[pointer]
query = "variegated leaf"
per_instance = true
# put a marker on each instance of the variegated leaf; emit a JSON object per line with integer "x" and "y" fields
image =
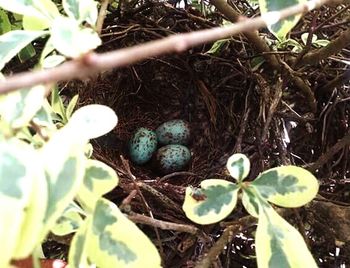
{"x": 279, "y": 244}
{"x": 287, "y": 186}
{"x": 115, "y": 241}
{"x": 99, "y": 179}
{"x": 213, "y": 202}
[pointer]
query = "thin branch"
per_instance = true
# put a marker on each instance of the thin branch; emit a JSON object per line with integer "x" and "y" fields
{"x": 164, "y": 225}
{"x": 101, "y": 16}
{"x": 334, "y": 47}
{"x": 93, "y": 63}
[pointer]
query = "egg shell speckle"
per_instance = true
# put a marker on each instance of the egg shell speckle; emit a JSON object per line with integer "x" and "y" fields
{"x": 142, "y": 145}
{"x": 174, "y": 132}
{"x": 171, "y": 158}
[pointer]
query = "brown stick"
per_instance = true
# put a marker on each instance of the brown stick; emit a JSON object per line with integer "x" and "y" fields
{"x": 94, "y": 63}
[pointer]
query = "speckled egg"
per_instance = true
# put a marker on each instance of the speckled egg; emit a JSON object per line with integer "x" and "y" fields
{"x": 171, "y": 158}
{"x": 173, "y": 132}
{"x": 142, "y": 145}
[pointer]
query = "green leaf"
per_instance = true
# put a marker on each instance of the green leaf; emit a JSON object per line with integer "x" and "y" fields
{"x": 238, "y": 165}
{"x": 249, "y": 202}
{"x": 5, "y": 24}
{"x": 70, "y": 39}
{"x": 81, "y": 10}
{"x": 217, "y": 46}
{"x": 71, "y": 106}
{"x": 44, "y": 116}
{"x": 12, "y": 42}
{"x": 16, "y": 183}
{"x": 27, "y": 53}
{"x": 213, "y": 202}
{"x": 92, "y": 121}
{"x": 305, "y": 36}
{"x": 35, "y": 23}
{"x": 321, "y": 43}
{"x": 64, "y": 162}
{"x": 19, "y": 107}
{"x": 278, "y": 244}
{"x": 115, "y": 241}
{"x": 281, "y": 28}
{"x": 53, "y": 61}
{"x": 57, "y": 104}
{"x": 23, "y": 7}
{"x": 78, "y": 248}
{"x": 68, "y": 222}
{"x": 99, "y": 179}
{"x": 32, "y": 225}
{"x": 287, "y": 186}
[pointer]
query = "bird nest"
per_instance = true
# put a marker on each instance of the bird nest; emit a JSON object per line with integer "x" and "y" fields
{"x": 226, "y": 104}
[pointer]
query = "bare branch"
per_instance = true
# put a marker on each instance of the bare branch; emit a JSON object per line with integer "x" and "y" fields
{"x": 94, "y": 63}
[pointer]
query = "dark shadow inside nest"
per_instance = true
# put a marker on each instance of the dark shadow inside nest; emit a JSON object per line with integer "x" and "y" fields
{"x": 159, "y": 90}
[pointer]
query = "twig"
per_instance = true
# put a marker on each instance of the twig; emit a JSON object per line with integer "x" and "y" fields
{"x": 219, "y": 246}
{"x": 164, "y": 225}
{"x": 334, "y": 47}
{"x": 101, "y": 16}
{"x": 94, "y": 63}
{"x": 179, "y": 173}
{"x": 326, "y": 157}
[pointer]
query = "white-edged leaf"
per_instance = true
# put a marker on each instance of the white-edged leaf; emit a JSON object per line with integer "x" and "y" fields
{"x": 19, "y": 107}
{"x": 305, "y": 36}
{"x": 281, "y": 28}
{"x": 64, "y": 162}
{"x": 92, "y": 121}
{"x": 115, "y": 241}
{"x": 211, "y": 203}
{"x": 72, "y": 40}
{"x": 250, "y": 202}
{"x": 31, "y": 23}
{"x": 32, "y": 225}
{"x": 69, "y": 222}
{"x": 72, "y": 103}
{"x": 17, "y": 173}
{"x": 279, "y": 244}
{"x": 53, "y": 61}
{"x": 99, "y": 179}
{"x": 81, "y": 10}
{"x": 287, "y": 186}
{"x": 78, "y": 248}
{"x": 12, "y": 42}
{"x": 238, "y": 166}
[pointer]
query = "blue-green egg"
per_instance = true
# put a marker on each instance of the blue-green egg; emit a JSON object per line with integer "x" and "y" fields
{"x": 142, "y": 145}
{"x": 174, "y": 132}
{"x": 171, "y": 158}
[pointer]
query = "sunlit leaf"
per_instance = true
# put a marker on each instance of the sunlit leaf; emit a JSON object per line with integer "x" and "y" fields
{"x": 19, "y": 107}
{"x": 71, "y": 106}
{"x": 99, "y": 179}
{"x": 64, "y": 162}
{"x": 94, "y": 120}
{"x": 250, "y": 202}
{"x": 32, "y": 225}
{"x": 78, "y": 247}
{"x": 53, "y": 61}
{"x": 5, "y": 24}
{"x": 283, "y": 27}
{"x": 12, "y": 42}
{"x": 238, "y": 165}
{"x": 27, "y": 53}
{"x": 287, "y": 186}
{"x": 35, "y": 23}
{"x": 279, "y": 244}
{"x": 81, "y": 10}
{"x": 69, "y": 222}
{"x": 115, "y": 241}
{"x": 70, "y": 39}
{"x": 305, "y": 36}
{"x": 213, "y": 202}
{"x": 16, "y": 184}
